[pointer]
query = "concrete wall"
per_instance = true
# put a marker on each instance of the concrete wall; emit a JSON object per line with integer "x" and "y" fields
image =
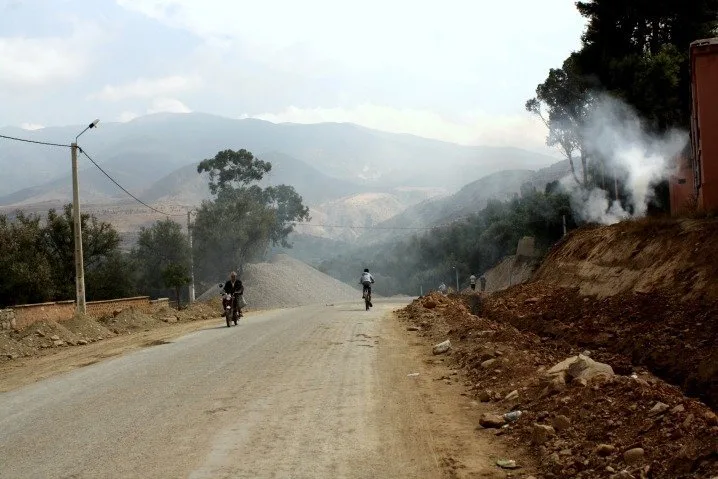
{"x": 24, "y": 315}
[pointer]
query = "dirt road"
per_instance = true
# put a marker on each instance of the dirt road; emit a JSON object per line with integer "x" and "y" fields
{"x": 312, "y": 392}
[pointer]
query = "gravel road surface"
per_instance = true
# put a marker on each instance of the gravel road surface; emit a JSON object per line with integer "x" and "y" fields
{"x": 311, "y": 392}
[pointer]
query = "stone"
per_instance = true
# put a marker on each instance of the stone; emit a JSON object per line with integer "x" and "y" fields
{"x": 441, "y": 348}
{"x": 678, "y": 409}
{"x": 512, "y": 395}
{"x": 491, "y": 421}
{"x": 531, "y": 300}
{"x": 581, "y": 367}
{"x": 487, "y": 364}
{"x": 561, "y": 423}
{"x": 711, "y": 418}
{"x": 485, "y": 395}
{"x": 658, "y": 408}
{"x": 55, "y": 337}
{"x": 507, "y": 464}
{"x": 13, "y": 356}
{"x": 412, "y": 328}
{"x": 40, "y": 333}
{"x": 82, "y": 342}
{"x": 58, "y": 343}
{"x": 541, "y": 433}
{"x": 634, "y": 456}
{"x": 170, "y": 319}
{"x": 610, "y": 469}
{"x": 605, "y": 450}
{"x": 430, "y": 304}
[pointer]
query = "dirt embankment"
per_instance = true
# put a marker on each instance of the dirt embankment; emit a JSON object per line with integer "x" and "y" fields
{"x": 621, "y": 423}
{"x": 47, "y": 337}
{"x": 678, "y": 256}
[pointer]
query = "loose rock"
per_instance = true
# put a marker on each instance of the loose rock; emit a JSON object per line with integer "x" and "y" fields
{"x": 487, "y": 364}
{"x": 658, "y": 408}
{"x": 491, "y": 421}
{"x": 561, "y": 423}
{"x": 512, "y": 395}
{"x": 541, "y": 433}
{"x": 55, "y": 337}
{"x": 441, "y": 348}
{"x": 633, "y": 456}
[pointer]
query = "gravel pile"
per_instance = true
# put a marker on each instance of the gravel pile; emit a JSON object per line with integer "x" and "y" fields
{"x": 285, "y": 282}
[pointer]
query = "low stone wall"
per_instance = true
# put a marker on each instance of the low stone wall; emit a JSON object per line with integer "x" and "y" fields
{"x": 7, "y": 319}
{"x": 24, "y": 315}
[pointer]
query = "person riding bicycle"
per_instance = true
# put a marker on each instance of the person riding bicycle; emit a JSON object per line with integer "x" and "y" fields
{"x": 232, "y": 286}
{"x": 366, "y": 280}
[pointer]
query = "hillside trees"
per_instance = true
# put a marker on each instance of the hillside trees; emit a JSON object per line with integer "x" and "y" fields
{"x": 473, "y": 246}
{"x": 243, "y": 219}
{"x": 37, "y": 259}
{"x": 632, "y": 50}
{"x": 161, "y": 252}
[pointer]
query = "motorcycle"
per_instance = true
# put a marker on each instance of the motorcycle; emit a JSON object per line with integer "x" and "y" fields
{"x": 231, "y": 314}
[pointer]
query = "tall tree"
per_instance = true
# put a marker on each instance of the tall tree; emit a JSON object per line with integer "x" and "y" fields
{"x": 159, "y": 247}
{"x": 562, "y": 102}
{"x": 243, "y": 219}
{"x": 231, "y": 169}
{"x": 99, "y": 240}
{"x": 638, "y": 51}
{"x": 26, "y": 271}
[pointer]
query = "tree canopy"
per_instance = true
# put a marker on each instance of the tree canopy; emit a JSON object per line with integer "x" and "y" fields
{"x": 243, "y": 219}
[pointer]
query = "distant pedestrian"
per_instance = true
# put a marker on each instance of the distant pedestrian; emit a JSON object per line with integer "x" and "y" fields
{"x": 472, "y": 281}
{"x": 442, "y": 288}
{"x": 483, "y": 282}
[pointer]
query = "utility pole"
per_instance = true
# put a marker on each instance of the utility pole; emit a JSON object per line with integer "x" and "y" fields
{"x": 191, "y": 259}
{"x": 80, "y": 305}
{"x": 564, "y": 225}
{"x": 77, "y": 220}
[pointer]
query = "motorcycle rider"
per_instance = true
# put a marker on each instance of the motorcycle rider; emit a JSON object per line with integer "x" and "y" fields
{"x": 366, "y": 280}
{"x": 232, "y": 286}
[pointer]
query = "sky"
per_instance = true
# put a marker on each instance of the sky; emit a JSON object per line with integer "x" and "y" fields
{"x": 457, "y": 70}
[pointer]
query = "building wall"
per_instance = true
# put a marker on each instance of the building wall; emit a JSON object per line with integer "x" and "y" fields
{"x": 22, "y": 316}
{"x": 704, "y": 67}
{"x": 682, "y": 187}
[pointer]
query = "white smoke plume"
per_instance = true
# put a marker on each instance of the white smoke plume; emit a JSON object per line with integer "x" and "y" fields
{"x": 615, "y": 135}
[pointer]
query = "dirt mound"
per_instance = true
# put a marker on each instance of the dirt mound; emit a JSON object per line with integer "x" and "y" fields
{"x": 638, "y": 256}
{"x": 41, "y": 337}
{"x": 673, "y": 338}
{"x": 44, "y": 335}
{"x": 579, "y": 428}
{"x": 510, "y": 271}
{"x": 286, "y": 282}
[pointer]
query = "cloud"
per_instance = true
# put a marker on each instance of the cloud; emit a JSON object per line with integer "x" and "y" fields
{"x": 147, "y": 88}
{"x": 31, "y": 126}
{"x": 167, "y": 105}
{"x": 40, "y": 61}
{"x": 475, "y": 128}
{"x": 126, "y": 116}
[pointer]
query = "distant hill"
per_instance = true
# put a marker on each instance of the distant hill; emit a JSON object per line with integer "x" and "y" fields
{"x": 470, "y": 199}
{"x": 147, "y": 149}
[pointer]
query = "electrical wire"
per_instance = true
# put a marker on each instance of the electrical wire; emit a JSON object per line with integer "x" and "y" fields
{"x": 24, "y": 140}
{"x": 124, "y": 189}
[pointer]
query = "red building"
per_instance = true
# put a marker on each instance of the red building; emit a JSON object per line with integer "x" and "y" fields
{"x": 695, "y": 182}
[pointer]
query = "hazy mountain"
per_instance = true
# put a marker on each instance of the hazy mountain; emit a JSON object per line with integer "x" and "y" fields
{"x": 468, "y": 200}
{"x": 145, "y": 150}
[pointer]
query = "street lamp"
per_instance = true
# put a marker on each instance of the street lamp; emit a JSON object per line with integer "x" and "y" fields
{"x": 79, "y": 263}
{"x": 191, "y": 257}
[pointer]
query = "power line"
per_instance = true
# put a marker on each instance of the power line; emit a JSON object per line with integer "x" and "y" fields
{"x": 24, "y": 140}
{"x": 408, "y": 228}
{"x": 123, "y": 188}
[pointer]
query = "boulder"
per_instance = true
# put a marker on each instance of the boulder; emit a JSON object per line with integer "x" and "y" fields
{"x": 541, "y": 433}
{"x": 491, "y": 421}
{"x": 581, "y": 368}
{"x": 441, "y": 348}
